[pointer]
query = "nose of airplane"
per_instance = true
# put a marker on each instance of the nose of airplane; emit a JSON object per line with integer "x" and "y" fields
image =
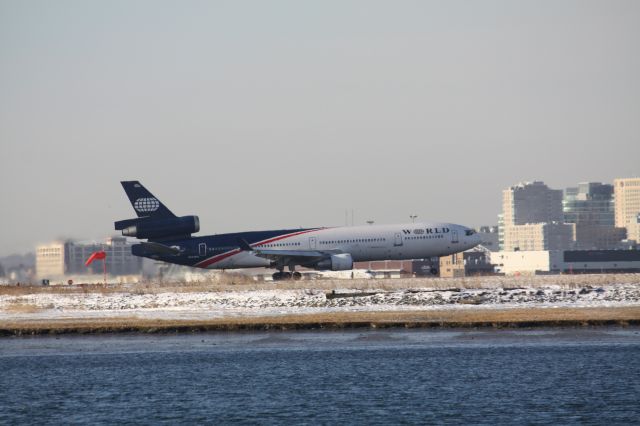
{"x": 473, "y": 238}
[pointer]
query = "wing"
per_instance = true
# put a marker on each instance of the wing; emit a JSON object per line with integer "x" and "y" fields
{"x": 286, "y": 257}
{"x": 297, "y": 257}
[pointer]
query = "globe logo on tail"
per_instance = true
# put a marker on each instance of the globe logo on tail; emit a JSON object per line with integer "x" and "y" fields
{"x": 146, "y": 205}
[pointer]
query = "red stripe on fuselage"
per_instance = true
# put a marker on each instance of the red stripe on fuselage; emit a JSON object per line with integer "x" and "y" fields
{"x": 284, "y": 236}
{"x": 217, "y": 258}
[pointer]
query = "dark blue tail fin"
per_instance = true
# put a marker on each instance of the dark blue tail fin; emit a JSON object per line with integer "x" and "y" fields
{"x": 143, "y": 202}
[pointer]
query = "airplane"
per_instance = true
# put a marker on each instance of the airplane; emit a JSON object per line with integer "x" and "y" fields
{"x": 169, "y": 239}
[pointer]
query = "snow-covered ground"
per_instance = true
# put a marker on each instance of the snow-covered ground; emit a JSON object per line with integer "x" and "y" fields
{"x": 220, "y": 304}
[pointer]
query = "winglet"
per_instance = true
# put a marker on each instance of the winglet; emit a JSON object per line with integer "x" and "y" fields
{"x": 244, "y": 245}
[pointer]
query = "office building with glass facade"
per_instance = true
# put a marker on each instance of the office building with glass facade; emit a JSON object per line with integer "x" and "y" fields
{"x": 590, "y": 206}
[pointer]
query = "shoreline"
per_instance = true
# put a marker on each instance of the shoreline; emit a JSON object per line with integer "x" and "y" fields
{"x": 478, "y": 302}
{"x": 453, "y": 318}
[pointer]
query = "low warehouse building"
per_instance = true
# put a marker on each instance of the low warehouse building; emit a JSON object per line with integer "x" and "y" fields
{"x": 568, "y": 261}
{"x": 594, "y": 261}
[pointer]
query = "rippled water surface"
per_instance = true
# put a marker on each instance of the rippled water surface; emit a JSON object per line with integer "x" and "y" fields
{"x": 373, "y": 377}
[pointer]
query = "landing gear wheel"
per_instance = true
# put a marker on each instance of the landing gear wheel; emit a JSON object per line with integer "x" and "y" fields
{"x": 278, "y": 276}
{"x": 297, "y": 276}
{"x": 434, "y": 271}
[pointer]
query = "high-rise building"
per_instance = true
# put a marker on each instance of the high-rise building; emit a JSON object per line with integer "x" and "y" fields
{"x": 50, "y": 260}
{"x": 633, "y": 230}
{"x": 589, "y": 203}
{"x": 539, "y": 236}
{"x": 590, "y": 207}
{"x": 62, "y": 259}
{"x": 627, "y": 205}
{"x": 489, "y": 237}
{"x": 500, "y": 232}
{"x": 532, "y": 219}
{"x": 531, "y": 202}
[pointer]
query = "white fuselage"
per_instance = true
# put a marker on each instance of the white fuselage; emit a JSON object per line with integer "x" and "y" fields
{"x": 363, "y": 243}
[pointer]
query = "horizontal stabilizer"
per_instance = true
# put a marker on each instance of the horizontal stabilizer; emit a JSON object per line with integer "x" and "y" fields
{"x": 158, "y": 248}
{"x": 122, "y": 224}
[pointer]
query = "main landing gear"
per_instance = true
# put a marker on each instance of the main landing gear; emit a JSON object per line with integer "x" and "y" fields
{"x": 280, "y": 275}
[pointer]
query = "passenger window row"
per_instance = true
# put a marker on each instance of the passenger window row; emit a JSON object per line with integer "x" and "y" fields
{"x": 281, "y": 245}
{"x": 357, "y": 240}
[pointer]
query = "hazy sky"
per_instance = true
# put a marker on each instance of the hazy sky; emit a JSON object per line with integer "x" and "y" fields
{"x": 259, "y": 115}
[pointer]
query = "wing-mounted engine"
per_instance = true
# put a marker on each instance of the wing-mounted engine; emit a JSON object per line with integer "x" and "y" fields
{"x": 160, "y": 228}
{"x": 336, "y": 262}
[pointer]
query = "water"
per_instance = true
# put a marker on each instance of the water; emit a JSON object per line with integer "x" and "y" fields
{"x": 374, "y": 377}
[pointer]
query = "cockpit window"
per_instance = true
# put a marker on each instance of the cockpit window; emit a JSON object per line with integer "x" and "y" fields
{"x": 469, "y": 232}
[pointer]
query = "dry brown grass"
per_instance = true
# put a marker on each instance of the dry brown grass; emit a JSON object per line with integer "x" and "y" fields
{"x": 18, "y": 307}
{"x": 431, "y": 318}
{"x": 234, "y": 282}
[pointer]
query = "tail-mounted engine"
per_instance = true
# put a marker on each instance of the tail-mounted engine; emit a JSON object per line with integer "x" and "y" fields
{"x": 164, "y": 228}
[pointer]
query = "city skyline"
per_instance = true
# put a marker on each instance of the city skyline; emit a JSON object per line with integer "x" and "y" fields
{"x": 116, "y": 234}
{"x": 285, "y": 114}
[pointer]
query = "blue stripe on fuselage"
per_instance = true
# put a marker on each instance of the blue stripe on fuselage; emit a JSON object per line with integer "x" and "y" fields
{"x": 215, "y": 245}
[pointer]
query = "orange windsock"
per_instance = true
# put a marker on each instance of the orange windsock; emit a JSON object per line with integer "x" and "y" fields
{"x": 95, "y": 256}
